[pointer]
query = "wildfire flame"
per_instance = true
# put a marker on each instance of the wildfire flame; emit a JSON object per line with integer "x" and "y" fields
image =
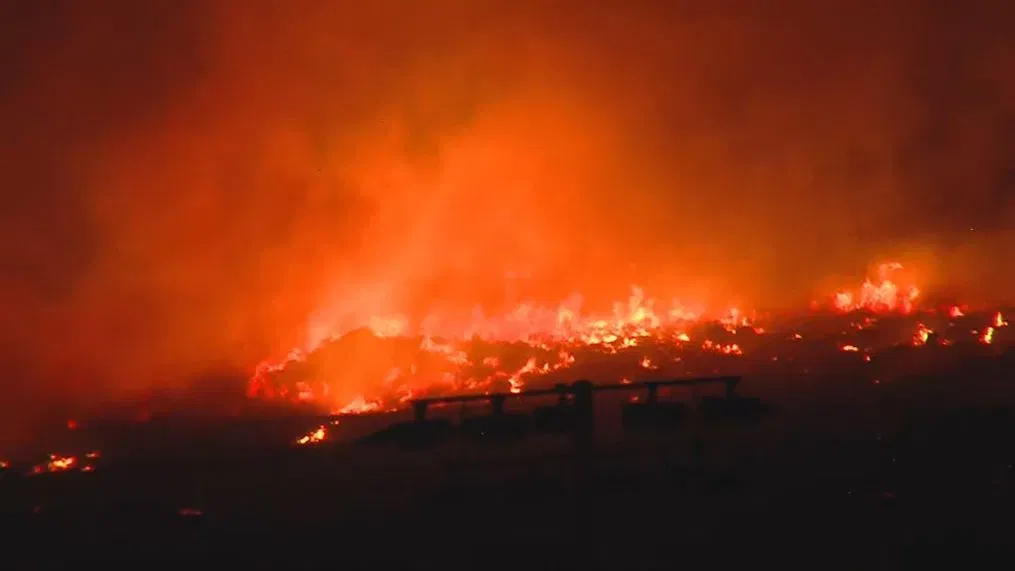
{"x": 882, "y": 295}
{"x": 988, "y": 335}
{"x": 60, "y": 463}
{"x": 922, "y": 334}
{"x": 549, "y": 339}
{"x": 313, "y": 437}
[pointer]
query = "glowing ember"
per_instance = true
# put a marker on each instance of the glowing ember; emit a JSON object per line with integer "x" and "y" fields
{"x": 988, "y": 336}
{"x": 725, "y": 349}
{"x": 999, "y": 320}
{"x": 58, "y": 463}
{"x": 922, "y": 334}
{"x": 313, "y": 437}
{"x": 850, "y": 348}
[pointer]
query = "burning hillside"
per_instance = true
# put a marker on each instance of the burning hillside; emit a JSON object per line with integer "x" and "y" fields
{"x": 387, "y": 361}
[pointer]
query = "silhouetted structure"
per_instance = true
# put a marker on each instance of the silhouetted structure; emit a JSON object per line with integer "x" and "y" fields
{"x": 574, "y": 412}
{"x": 735, "y": 409}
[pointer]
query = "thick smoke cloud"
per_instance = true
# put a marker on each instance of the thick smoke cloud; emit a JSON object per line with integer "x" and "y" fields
{"x": 186, "y": 183}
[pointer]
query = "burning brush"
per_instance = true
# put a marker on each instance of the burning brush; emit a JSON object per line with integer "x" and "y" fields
{"x": 385, "y": 364}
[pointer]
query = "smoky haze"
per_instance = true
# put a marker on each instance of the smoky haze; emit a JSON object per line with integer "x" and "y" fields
{"x": 187, "y": 182}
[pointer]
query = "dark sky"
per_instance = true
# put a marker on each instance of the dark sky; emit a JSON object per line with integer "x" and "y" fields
{"x": 185, "y": 181}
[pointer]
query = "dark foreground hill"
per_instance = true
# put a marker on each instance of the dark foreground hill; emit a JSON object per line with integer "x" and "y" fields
{"x": 842, "y": 476}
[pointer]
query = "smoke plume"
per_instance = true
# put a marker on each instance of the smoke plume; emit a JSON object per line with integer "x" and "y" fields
{"x": 187, "y": 184}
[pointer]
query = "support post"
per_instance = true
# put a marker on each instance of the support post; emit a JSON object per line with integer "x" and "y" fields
{"x": 419, "y": 410}
{"x": 562, "y": 393}
{"x": 497, "y": 401}
{"x": 584, "y": 411}
{"x": 653, "y": 393}
{"x": 731, "y": 388}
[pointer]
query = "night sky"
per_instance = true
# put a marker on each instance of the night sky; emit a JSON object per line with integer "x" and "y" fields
{"x": 185, "y": 181}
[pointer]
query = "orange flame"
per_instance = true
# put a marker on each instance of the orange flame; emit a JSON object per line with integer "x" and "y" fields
{"x": 922, "y": 334}
{"x": 561, "y": 331}
{"x": 884, "y": 295}
{"x": 313, "y": 437}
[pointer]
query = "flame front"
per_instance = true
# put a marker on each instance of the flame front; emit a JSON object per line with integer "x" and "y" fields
{"x": 390, "y": 360}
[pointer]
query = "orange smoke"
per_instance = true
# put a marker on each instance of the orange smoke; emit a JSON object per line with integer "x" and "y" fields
{"x": 196, "y": 185}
